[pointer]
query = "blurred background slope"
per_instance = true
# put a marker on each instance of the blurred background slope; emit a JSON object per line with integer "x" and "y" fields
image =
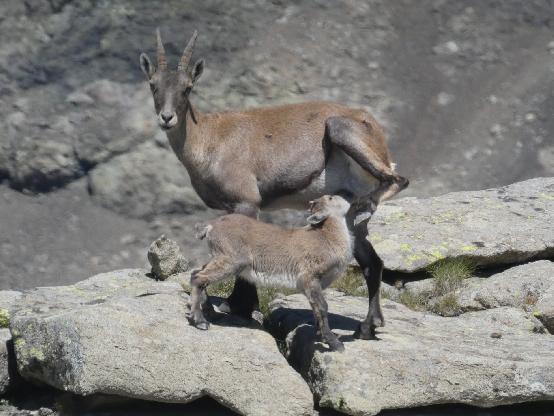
{"x": 464, "y": 89}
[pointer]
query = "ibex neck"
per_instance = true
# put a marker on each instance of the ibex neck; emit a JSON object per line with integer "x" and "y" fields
{"x": 183, "y": 130}
{"x": 337, "y": 233}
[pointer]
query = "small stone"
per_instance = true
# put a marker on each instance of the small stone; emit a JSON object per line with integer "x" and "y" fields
{"x": 444, "y": 98}
{"x": 373, "y": 65}
{"x": 164, "y": 255}
{"x": 496, "y": 335}
{"x": 447, "y": 48}
{"x": 496, "y": 130}
{"x": 550, "y": 46}
{"x": 530, "y": 117}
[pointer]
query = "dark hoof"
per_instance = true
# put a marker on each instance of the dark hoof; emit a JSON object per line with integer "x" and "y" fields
{"x": 365, "y": 332}
{"x": 202, "y": 325}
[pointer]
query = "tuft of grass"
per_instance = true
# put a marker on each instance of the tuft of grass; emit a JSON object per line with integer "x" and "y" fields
{"x": 446, "y": 305}
{"x": 268, "y": 294}
{"x": 449, "y": 274}
{"x": 414, "y": 301}
{"x": 221, "y": 289}
{"x": 530, "y": 300}
{"x": 4, "y": 318}
{"x": 352, "y": 283}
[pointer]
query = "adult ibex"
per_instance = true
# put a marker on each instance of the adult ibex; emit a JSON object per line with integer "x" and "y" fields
{"x": 277, "y": 157}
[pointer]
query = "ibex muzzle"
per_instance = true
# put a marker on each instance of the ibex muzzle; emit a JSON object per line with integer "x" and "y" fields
{"x": 171, "y": 88}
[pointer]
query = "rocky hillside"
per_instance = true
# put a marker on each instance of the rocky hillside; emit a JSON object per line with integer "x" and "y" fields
{"x": 469, "y": 321}
{"x": 463, "y": 88}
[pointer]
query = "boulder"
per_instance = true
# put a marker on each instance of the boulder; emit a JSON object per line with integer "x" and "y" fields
{"x": 113, "y": 118}
{"x": 484, "y": 358}
{"x": 504, "y": 225}
{"x": 145, "y": 182}
{"x": 528, "y": 286}
{"x": 164, "y": 255}
{"x": 124, "y": 334}
{"x": 52, "y": 141}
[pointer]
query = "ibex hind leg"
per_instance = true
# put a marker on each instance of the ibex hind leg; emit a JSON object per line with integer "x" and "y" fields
{"x": 364, "y": 142}
{"x": 217, "y": 269}
{"x": 314, "y": 293}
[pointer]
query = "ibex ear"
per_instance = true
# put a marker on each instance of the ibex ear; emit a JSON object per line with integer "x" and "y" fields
{"x": 317, "y": 218}
{"x": 197, "y": 70}
{"x": 146, "y": 65}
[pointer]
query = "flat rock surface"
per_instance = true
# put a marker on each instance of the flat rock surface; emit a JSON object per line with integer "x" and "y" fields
{"x": 124, "y": 334}
{"x": 495, "y": 226}
{"x": 484, "y": 358}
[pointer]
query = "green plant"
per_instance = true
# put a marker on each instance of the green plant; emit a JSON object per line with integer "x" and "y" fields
{"x": 267, "y": 294}
{"x": 446, "y": 305}
{"x": 351, "y": 283}
{"x": 414, "y": 301}
{"x": 449, "y": 274}
{"x": 4, "y": 318}
{"x": 221, "y": 289}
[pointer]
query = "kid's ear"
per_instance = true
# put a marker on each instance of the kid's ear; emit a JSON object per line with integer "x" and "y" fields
{"x": 317, "y": 218}
{"x": 146, "y": 65}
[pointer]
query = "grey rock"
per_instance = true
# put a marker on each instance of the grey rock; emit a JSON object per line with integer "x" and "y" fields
{"x": 528, "y": 286}
{"x": 420, "y": 287}
{"x": 520, "y": 286}
{"x": 484, "y": 358}
{"x": 46, "y": 147}
{"x": 160, "y": 186}
{"x": 496, "y": 226}
{"x": 8, "y": 298}
{"x": 164, "y": 255}
{"x": 544, "y": 309}
{"x": 113, "y": 118}
{"x": 125, "y": 334}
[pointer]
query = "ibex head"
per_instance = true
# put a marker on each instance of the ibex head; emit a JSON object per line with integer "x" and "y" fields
{"x": 171, "y": 89}
{"x": 327, "y": 206}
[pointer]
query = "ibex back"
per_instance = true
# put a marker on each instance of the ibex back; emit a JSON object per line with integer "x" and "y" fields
{"x": 277, "y": 157}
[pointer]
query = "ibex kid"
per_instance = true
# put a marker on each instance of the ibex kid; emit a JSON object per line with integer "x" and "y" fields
{"x": 308, "y": 259}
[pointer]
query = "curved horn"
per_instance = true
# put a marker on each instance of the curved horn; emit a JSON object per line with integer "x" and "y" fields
{"x": 187, "y": 53}
{"x": 162, "y": 62}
